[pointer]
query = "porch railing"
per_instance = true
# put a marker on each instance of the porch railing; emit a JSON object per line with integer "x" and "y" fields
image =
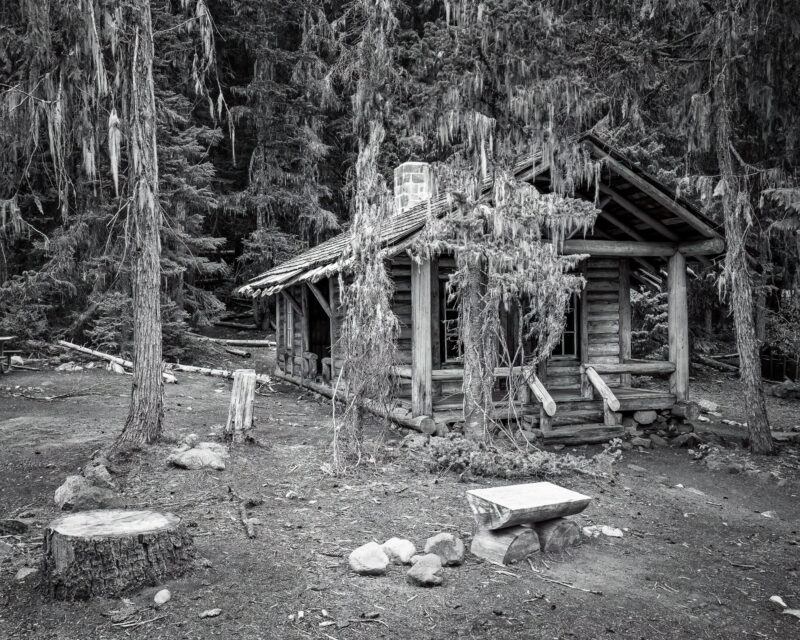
{"x": 610, "y": 401}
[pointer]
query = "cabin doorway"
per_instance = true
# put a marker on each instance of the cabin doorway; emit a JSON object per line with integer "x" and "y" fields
{"x": 319, "y": 329}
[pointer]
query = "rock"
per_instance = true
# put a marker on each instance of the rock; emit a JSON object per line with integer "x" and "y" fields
{"x": 559, "y": 447}
{"x": 191, "y": 440}
{"x": 98, "y": 475}
{"x": 69, "y": 366}
{"x": 658, "y": 441}
{"x": 425, "y": 570}
{"x": 76, "y": 494}
{"x": 206, "y": 455}
{"x": 684, "y": 427}
{"x": 641, "y": 442}
{"x": 629, "y": 423}
{"x": 708, "y": 405}
{"x": 735, "y": 467}
{"x": 6, "y": 550}
{"x": 25, "y": 573}
{"x": 626, "y": 446}
{"x": 210, "y": 613}
{"x": 685, "y": 440}
{"x": 399, "y": 550}
{"x": 637, "y": 468}
{"x": 448, "y": 547}
{"x": 595, "y": 530}
{"x": 645, "y": 417}
{"x": 12, "y": 526}
{"x": 162, "y": 597}
{"x": 17, "y": 360}
{"x": 369, "y": 560}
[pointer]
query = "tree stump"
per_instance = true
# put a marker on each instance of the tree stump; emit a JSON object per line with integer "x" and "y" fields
{"x": 557, "y": 534}
{"x": 111, "y": 552}
{"x": 240, "y": 413}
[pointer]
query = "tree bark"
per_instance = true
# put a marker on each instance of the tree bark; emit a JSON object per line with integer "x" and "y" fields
{"x": 478, "y": 363}
{"x": 143, "y": 424}
{"x": 739, "y": 281}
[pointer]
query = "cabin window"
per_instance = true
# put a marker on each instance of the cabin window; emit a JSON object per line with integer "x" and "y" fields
{"x": 568, "y": 347}
{"x": 451, "y": 347}
{"x": 289, "y": 325}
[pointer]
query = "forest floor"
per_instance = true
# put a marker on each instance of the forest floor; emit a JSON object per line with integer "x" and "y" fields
{"x": 703, "y": 549}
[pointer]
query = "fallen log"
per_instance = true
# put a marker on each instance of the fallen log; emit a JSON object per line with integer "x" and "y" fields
{"x": 557, "y": 534}
{"x": 234, "y": 342}
{"x": 169, "y": 366}
{"x": 722, "y": 366}
{"x": 423, "y": 424}
{"x": 235, "y": 325}
{"x": 505, "y": 546}
{"x": 168, "y": 377}
{"x": 238, "y": 352}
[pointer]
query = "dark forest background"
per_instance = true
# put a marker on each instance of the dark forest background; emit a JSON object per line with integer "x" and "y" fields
{"x": 256, "y": 147}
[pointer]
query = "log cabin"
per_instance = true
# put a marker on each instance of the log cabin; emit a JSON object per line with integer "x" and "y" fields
{"x": 579, "y": 394}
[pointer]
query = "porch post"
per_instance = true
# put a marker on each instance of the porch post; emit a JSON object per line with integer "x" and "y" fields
{"x": 421, "y": 343}
{"x": 678, "y": 325}
{"x": 625, "y": 317}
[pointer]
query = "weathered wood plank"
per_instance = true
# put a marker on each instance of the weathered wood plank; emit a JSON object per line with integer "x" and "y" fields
{"x": 501, "y": 507}
{"x": 602, "y": 388}
{"x": 625, "y": 315}
{"x": 421, "y": 348}
{"x": 619, "y": 248}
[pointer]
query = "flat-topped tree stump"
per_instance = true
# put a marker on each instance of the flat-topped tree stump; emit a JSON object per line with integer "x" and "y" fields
{"x": 112, "y": 552}
{"x": 501, "y": 507}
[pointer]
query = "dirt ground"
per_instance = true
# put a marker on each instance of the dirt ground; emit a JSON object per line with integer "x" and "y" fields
{"x": 697, "y": 560}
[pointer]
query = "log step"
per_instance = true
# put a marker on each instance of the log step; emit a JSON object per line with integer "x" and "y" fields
{"x": 583, "y": 434}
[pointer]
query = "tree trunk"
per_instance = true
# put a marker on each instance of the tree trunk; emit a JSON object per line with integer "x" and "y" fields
{"x": 146, "y": 408}
{"x": 739, "y": 282}
{"x": 478, "y": 363}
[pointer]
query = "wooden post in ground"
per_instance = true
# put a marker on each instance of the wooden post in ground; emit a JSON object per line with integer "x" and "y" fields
{"x": 280, "y": 339}
{"x": 240, "y": 412}
{"x": 421, "y": 346}
{"x": 625, "y": 317}
{"x": 333, "y": 303}
{"x": 678, "y": 327}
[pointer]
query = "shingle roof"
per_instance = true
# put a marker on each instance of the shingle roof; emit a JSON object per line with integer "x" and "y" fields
{"x": 322, "y": 261}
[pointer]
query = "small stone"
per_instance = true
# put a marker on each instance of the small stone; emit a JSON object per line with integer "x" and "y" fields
{"x": 12, "y": 526}
{"x": 637, "y": 468}
{"x": 25, "y": 573}
{"x": 629, "y": 423}
{"x": 399, "y": 550}
{"x": 559, "y": 447}
{"x": 658, "y": 441}
{"x": 369, "y": 560}
{"x": 645, "y": 417}
{"x": 206, "y": 455}
{"x": 76, "y": 494}
{"x": 448, "y": 547}
{"x": 210, "y": 613}
{"x": 98, "y": 475}
{"x": 626, "y": 446}
{"x": 425, "y": 570}
{"x": 17, "y": 360}
{"x": 162, "y": 597}
{"x": 684, "y": 427}
{"x": 708, "y": 405}
{"x": 735, "y": 467}
{"x": 686, "y": 440}
{"x": 641, "y": 442}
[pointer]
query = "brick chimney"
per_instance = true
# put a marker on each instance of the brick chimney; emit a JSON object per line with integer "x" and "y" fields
{"x": 413, "y": 183}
